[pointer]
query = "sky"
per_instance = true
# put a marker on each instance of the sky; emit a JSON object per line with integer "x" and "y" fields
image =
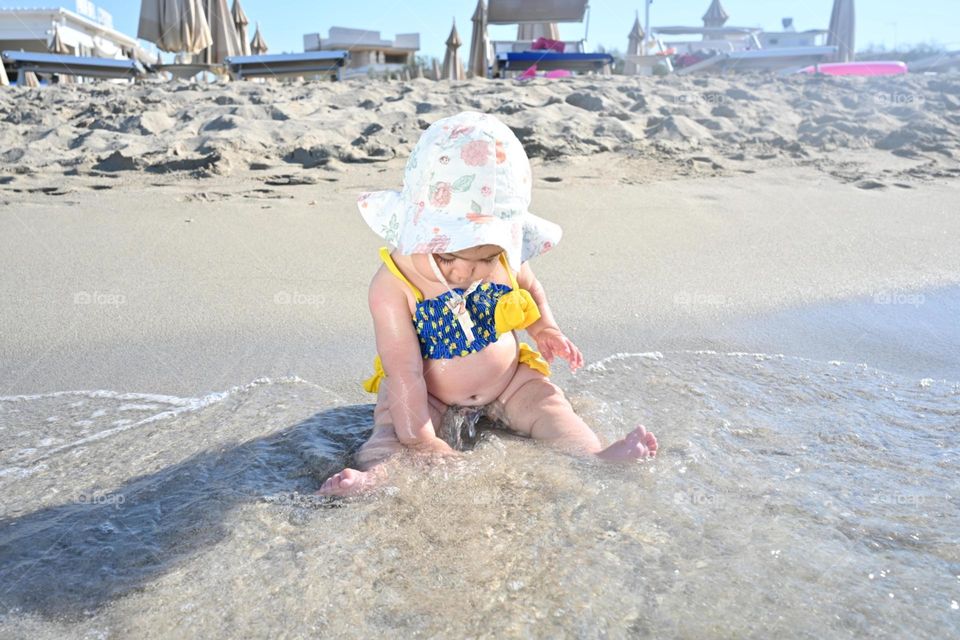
{"x": 890, "y": 23}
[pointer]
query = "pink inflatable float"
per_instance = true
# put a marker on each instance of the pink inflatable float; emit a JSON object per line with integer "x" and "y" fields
{"x": 874, "y": 68}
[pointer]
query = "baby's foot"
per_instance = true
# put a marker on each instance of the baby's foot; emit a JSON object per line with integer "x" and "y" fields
{"x": 351, "y": 482}
{"x": 639, "y": 443}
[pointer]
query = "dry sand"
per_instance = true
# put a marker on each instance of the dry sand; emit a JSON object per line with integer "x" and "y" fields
{"x": 184, "y": 238}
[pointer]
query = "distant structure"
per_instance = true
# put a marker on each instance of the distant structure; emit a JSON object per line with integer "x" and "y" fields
{"x": 369, "y": 53}
{"x": 790, "y": 37}
{"x": 715, "y": 16}
{"x": 88, "y": 31}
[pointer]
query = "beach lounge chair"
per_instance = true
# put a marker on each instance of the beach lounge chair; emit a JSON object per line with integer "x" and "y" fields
{"x": 515, "y": 56}
{"x": 782, "y": 59}
{"x": 546, "y": 61}
{"x": 87, "y": 66}
{"x": 289, "y": 65}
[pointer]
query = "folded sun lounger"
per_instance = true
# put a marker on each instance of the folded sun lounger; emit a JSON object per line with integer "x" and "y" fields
{"x": 288, "y": 64}
{"x": 547, "y": 60}
{"x": 88, "y": 66}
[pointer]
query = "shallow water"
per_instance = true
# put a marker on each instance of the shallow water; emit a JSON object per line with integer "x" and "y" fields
{"x": 790, "y": 497}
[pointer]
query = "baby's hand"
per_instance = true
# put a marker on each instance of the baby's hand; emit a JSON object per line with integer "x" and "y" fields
{"x": 551, "y": 343}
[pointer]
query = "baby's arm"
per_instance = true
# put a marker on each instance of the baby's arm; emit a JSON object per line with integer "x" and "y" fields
{"x": 399, "y": 352}
{"x": 549, "y": 338}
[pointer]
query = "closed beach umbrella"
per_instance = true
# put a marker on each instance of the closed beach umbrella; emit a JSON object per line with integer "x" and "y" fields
{"x": 634, "y": 47}
{"x": 57, "y": 47}
{"x": 240, "y": 20}
{"x": 4, "y": 81}
{"x": 532, "y": 31}
{"x": 258, "y": 46}
{"x": 480, "y": 54}
{"x": 452, "y": 67}
{"x": 436, "y": 69}
{"x": 56, "y": 44}
{"x": 226, "y": 42}
{"x": 175, "y": 25}
{"x": 715, "y": 15}
{"x": 841, "y": 29}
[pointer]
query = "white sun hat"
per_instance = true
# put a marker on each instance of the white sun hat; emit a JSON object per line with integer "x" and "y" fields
{"x": 467, "y": 183}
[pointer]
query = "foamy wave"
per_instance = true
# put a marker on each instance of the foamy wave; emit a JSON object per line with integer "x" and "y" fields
{"x": 599, "y": 365}
{"x": 177, "y": 406}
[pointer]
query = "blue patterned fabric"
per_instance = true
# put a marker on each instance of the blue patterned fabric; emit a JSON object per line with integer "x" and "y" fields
{"x": 439, "y": 332}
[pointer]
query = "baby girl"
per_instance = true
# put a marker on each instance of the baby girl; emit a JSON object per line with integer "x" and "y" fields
{"x": 448, "y": 301}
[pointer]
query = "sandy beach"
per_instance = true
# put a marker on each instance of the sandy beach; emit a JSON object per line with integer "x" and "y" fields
{"x": 180, "y": 240}
{"x": 783, "y": 195}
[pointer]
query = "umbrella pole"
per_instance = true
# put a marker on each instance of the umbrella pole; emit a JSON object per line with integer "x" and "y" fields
{"x": 646, "y": 26}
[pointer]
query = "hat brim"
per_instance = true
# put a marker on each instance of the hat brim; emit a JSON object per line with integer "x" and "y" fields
{"x": 386, "y": 213}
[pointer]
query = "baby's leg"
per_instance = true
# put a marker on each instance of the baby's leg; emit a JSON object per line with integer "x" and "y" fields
{"x": 380, "y": 447}
{"x": 535, "y": 407}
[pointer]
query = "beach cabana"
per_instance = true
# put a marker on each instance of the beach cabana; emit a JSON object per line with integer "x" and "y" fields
{"x": 536, "y": 18}
{"x": 510, "y": 56}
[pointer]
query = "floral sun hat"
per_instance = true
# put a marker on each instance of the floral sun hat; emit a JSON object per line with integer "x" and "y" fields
{"x": 467, "y": 183}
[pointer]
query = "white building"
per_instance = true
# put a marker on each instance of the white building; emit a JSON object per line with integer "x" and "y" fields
{"x": 368, "y": 51}
{"x": 790, "y": 37}
{"x": 88, "y": 31}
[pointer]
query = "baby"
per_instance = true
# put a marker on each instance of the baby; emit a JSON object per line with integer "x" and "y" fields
{"x": 447, "y": 302}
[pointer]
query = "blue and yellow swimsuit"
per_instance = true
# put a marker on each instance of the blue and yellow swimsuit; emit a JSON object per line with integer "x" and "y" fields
{"x": 494, "y": 308}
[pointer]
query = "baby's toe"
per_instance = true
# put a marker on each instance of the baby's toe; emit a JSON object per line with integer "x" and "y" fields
{"x": 651, "y": 442}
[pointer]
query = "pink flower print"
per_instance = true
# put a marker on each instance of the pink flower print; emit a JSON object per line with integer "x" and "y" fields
{"x": 475, "y": 153}
{"x": 501, "y": 154}
{"x": 416, "y": 216}
{"x": 444, "y": 159}
{"x": 440, "y": 194}
{"x": 485, "y": 190}
{"x": 459, "y": 131}
{"x": 436, "y": 244}
{"x": 547, "y": 246}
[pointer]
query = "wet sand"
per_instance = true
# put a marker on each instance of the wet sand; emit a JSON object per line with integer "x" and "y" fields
{"x": 190, "y": 287}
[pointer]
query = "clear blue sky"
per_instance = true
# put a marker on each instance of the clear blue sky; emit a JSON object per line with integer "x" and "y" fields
{"x": 283, "y": 22}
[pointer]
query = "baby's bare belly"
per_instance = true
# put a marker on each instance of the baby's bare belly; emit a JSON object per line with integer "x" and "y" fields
{"x": 476, "y": 379}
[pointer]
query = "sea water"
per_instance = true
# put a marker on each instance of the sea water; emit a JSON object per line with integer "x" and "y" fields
{"x": 790, "y": 498}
